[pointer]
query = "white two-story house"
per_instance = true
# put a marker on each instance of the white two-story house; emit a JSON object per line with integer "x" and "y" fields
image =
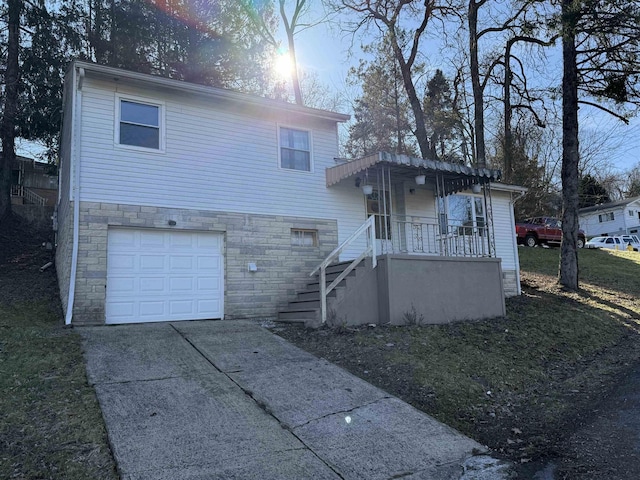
{"x": 613, "y": 218}
{"x": 179, "y": 202}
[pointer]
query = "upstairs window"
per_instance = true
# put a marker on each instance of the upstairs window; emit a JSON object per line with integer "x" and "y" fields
{"x": 139, "y": 124}
{"x": 606, "y": 217}
{"x": 295, "y": 149}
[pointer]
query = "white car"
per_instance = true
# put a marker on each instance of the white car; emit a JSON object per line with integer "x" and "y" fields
{"x": 615, "y": 242}
{"x": 634, "y": 240}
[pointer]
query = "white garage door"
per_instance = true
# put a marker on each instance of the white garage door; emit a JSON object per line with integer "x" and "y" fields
{"x": 161, "y": 275}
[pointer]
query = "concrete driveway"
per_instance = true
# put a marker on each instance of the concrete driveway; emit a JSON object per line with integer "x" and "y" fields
{"x": 230, "y": 400}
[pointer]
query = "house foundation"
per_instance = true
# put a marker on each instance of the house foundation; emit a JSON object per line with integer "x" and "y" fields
{"x": 281, "y": 268}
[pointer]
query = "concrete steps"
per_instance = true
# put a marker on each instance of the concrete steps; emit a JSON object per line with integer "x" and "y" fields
{"x": 305, "y": 308}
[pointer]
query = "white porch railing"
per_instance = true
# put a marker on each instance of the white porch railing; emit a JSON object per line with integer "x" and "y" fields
{"x": 17, "y": 191}
{"x": 33, "y": 197}
{"x": 28, "y": 195}
{"x": 426, "y": 236}
{"x": 367, "y": 229}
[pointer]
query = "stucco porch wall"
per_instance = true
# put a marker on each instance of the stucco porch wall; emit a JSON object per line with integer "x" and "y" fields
{"x": 437, "y": 290}
{"x": 265, "y": 240}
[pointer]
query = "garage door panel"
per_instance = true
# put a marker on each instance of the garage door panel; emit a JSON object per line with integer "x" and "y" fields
{"x": 152, "y": 285}
{"x": 122, "y": 237}
{"x": 210, "y": 242}
{"x": 164, "y": 275}
{"x": 121, "y": 309}
{"x": 151, "y": 307}
{"x": 181, "y": 284}
{"x": 207, "y": 305}
{"x": 123, "y": 284}
{"x": 208, "y": 263}
{"x": 152, "y": 262}
{"x": 122, "y": 262}
{"x": 183, "y": 242}
{"x": 208, "y": 284}
{"x": 151, "y": 239}
{"x": 179, "y": 262}
{"x": 181, "y": 307}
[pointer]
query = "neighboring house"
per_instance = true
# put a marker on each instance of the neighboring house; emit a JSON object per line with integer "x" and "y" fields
{"x": 33, "y": 182}
{"x": 614, "y": 218}
{"x": 180, "y": 202}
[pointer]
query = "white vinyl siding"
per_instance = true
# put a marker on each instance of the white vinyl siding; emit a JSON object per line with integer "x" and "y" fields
{"x": 217, "y": 157}
{"x": 504, "y": 230}
{"x": 592, "y": 225}
{"x": 420, "y": 203}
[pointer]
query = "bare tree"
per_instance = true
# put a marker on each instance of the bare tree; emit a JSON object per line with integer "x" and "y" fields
{"x": 526, "y": 99}
{"x": 387, "y": 17}
{"x": 601, "y": 61}
{"x": 632, "y": 187}
{"x": 293, "y": 23}
{"x": 479, "y": 81}
{"x": 10, "y": 105}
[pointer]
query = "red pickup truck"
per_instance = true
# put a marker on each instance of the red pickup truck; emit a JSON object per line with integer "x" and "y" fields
{"x": 539, "y": 230}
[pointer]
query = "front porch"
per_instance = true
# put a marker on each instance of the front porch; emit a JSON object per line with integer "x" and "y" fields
{"x": 426, "y": 253}
{"x": 424, "y": 207}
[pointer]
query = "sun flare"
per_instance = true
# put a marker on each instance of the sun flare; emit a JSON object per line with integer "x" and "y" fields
{"x": 283, "y": 66}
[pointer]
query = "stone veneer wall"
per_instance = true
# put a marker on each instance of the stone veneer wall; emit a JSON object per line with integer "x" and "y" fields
{"x": 510, "y": 283}
{"x": 64, "y": 246}
{"x": 262, "y": 239}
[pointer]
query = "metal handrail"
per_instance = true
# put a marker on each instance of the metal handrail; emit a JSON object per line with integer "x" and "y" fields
{"x": 367, "y": 227}
{"x": 427, "y": 236}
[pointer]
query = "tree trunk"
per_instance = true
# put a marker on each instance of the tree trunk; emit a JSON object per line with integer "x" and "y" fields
{"x": 414, "y": 101}
{"x": 8, "y": 126}
{"x": 568, "y": 276}
{"x": 478, "y": 104}
{"x": 295, "y": 78}
{"x": 508, "y": 135}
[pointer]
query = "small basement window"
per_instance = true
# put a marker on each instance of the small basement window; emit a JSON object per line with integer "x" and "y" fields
{"x": 304, "y": 238}
{"x": 139, "y": 124}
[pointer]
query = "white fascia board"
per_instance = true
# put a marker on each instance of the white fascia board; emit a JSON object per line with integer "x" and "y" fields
{"x": 143, "y": 78}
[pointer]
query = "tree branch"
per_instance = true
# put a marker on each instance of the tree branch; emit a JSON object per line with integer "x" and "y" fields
{"x": 604, "y": 109}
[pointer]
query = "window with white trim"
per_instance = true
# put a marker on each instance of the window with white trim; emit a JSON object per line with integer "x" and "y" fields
{"x": 295, "y": 149}
{"x": 139, "y": 124}
{"x": 605, "y": 217}
{"x": 466, "y": 214}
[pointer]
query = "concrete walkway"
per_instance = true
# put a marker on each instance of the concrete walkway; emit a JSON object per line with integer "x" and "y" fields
{"x": 230, "y": 400}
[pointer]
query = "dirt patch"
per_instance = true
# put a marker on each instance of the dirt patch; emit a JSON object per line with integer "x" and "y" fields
{"x": 23, "y": 251}
{"x": 51, "y": 425}
{"x": 526, "y": 411}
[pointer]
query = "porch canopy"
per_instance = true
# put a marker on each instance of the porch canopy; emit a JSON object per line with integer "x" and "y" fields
{"x": 451, "y": 177}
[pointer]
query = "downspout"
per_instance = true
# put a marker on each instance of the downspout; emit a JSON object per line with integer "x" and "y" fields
{"x": 76, "y": 103}
{"x": 516, "y": 256}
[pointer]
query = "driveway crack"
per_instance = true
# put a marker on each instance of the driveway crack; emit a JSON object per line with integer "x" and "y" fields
{"x": 340, "y": 412}
{"x": 260, "y": 404}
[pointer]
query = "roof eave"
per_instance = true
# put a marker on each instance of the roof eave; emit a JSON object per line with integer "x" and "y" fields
{"x": 117, "y": 73}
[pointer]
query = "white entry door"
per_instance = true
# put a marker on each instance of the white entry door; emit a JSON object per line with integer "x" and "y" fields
{"x": 163, "y": 275}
